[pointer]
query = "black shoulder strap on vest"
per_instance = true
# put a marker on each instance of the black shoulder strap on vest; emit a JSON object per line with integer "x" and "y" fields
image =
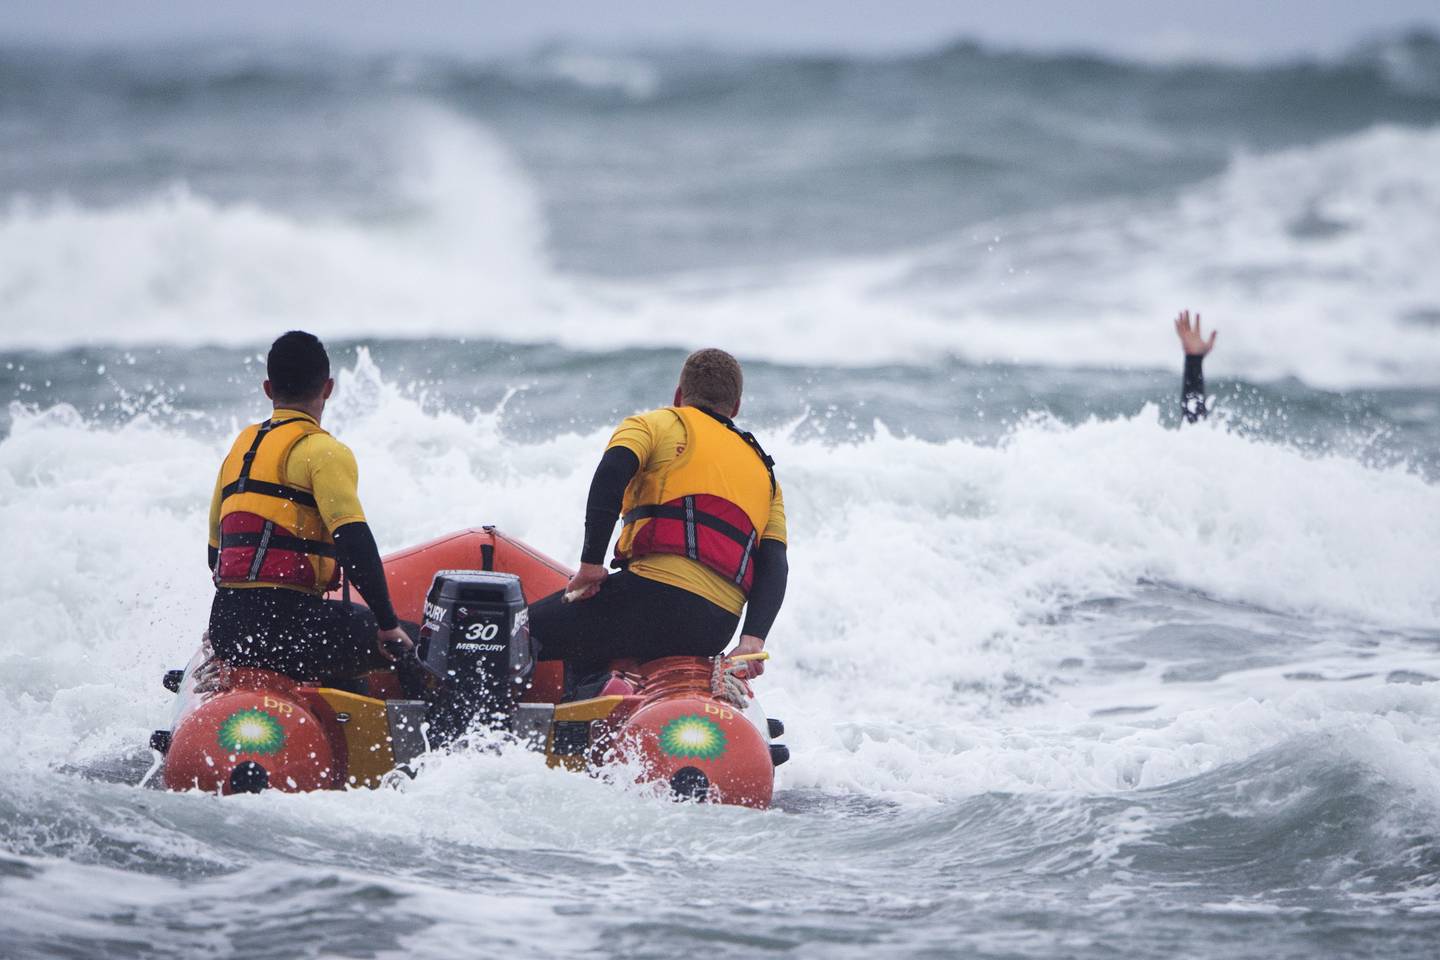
{"x": 750, "y": 442}
{"x": 243, "y": 483}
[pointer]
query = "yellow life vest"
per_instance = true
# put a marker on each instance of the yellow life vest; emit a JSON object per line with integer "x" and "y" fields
{"x": 710, "y": 503}
{"x": 271, "y": 533}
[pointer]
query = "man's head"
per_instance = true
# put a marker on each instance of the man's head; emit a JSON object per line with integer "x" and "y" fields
{"x": 299, "y": 370}
{"x": 712, "y": 379}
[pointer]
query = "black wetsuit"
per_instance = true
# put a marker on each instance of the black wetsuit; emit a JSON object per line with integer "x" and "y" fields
{"x": 303, "y": 635}
{"x": 1192, "y": 389}
{"x": 632, "y": 616}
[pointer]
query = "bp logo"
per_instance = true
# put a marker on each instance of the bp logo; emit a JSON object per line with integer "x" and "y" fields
{"x": 692, "y": 736}
{"x": 251, "y": 731}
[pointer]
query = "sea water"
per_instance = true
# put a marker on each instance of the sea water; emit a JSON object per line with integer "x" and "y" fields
{"x": 1061, "y": 678}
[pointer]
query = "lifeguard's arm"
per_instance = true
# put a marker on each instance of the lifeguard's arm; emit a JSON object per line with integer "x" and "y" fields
{"x": 335, "y": 478}
{"x": 636, "y": 437}
{"x": 1192, "y": 386}
{"x": 359, "y": 557}
{"x": 767, "y": 592}
{"x": 602, "y": 507}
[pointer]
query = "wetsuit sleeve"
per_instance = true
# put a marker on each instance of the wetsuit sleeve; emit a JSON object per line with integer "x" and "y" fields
{"x": 360, "y": 559}
{"x": 1192, "y": 389}
{"x": 767, "y": 592}
{"x": 335, "y": 477}
{"x": 602, "y": 508}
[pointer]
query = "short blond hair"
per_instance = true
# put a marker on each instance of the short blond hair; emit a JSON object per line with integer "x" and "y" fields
{"x": 711, "y": 378}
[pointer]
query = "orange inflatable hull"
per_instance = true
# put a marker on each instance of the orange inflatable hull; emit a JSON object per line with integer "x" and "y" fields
{"x": 246, "y": 730}
{"x": 241, "y": 730}
{"x": 670, "y": 722}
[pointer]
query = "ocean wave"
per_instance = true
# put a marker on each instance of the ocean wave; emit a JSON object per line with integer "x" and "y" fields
{"x": 930, "y": 581}
{"x": 1050, "y": 684}
{"x": 1313, "y": 261}
{"x": 1091, "y": 669}
{"x": 181, "y": 268}
{"x": 1402, "y": 63}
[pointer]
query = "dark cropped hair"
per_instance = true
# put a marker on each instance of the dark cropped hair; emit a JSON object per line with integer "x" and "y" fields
{"x": 711, "y": 378}
{"x": 297, "y": 366}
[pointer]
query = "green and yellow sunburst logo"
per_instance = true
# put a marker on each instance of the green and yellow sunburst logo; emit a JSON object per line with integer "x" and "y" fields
{"x": 692, "y": 736}
{"x": 251, "y": 731}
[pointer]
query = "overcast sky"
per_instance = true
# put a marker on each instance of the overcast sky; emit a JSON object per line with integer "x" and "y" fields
{"x": 1156, "y": 28}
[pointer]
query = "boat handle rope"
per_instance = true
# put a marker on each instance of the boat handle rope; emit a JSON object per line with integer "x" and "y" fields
{"x": 727, "y": 685}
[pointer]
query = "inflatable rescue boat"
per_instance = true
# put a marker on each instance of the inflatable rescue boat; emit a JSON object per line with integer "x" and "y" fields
{"x": 688, "y": 722}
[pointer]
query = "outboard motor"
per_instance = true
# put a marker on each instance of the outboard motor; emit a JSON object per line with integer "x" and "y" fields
{"x": 475, "y": 646}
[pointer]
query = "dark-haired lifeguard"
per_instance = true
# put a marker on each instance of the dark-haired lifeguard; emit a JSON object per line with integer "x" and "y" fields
{"x": 285, "y": 519}
{"x": 703, "y": 536}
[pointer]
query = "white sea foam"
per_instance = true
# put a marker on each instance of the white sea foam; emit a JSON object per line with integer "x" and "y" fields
{"x": 630, "y": 76}
{"x": 182, "y": 268}
{"x": 1316, "y": 262}
{"x": 925, "y": 583}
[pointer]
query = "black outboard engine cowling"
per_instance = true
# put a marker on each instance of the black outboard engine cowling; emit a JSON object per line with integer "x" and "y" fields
{"x": 475, "y": 645}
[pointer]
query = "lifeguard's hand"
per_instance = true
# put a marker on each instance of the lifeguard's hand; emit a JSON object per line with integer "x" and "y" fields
{"x": 391, "y": 643}
{"x": 1192, "y": 339}
{"x": 586, "y": 582}
{"x": 749, "y": 644}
